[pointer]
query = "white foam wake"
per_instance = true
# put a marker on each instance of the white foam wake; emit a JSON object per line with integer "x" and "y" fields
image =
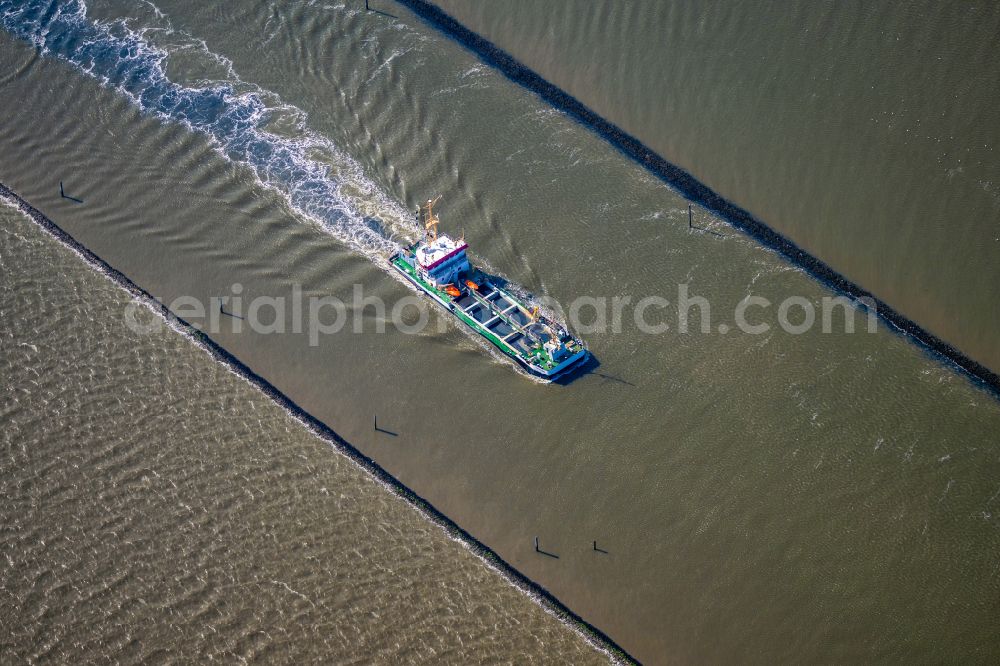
{"x": 233, "y": 113}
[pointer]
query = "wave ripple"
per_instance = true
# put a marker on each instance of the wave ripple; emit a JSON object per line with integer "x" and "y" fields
{"x": 234, "y": 114}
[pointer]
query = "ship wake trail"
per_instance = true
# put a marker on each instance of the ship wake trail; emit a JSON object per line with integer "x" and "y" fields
{"x": 232, "y": 113}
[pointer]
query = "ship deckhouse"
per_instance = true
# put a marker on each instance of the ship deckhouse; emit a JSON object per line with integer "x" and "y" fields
{"x": 443, "y": 259}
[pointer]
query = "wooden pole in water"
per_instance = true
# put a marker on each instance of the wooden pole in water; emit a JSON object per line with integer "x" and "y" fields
{"x": 690, "y": 222}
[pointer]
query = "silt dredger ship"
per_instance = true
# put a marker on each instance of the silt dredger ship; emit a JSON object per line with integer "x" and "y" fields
{"x": 439, "y": 266}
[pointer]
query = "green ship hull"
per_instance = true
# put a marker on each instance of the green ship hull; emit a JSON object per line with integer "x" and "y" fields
{"x": 537, "y": 344}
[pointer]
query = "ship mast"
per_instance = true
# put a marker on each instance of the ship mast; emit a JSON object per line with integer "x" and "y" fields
{"x": 428, "y": 219}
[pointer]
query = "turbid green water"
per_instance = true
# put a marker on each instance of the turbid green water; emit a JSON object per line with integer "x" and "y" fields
{"x": 869, "y": 135}
{"x": 815, "y": 497}
{"x": 136, "y": 528}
